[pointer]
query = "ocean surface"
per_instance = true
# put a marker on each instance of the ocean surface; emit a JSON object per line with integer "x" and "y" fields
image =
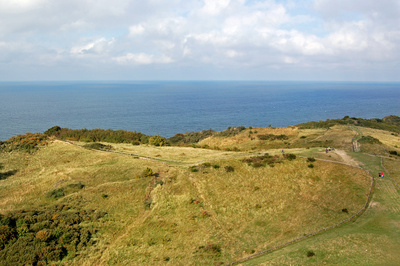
{"x": 170, "y": 107}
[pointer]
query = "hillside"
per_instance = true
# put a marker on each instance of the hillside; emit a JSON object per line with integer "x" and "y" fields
{"x": 202, "y": 198}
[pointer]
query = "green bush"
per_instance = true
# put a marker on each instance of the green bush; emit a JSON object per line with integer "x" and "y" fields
{"x": 56, "y": 193}
{"x": 97, "y": 146}
{"x": 157, "y": 140}
{"x": 310, "y": 159}
{"x": 229, "y": 168}
{"x": 272, "y": 137}
{"x": 289, "y": 156}
{"x": 369, "y": 140}
{"x": 147, "y": 172}
{"x": 45, "y": 236}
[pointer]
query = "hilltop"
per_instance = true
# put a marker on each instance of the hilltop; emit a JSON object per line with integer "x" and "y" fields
{"x": 84, "y": 197}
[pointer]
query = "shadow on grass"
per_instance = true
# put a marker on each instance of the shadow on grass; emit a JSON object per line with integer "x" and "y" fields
{"x": 4, "y": 176}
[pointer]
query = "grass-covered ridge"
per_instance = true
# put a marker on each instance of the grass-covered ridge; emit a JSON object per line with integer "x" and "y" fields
{"x": 130, "y": 203}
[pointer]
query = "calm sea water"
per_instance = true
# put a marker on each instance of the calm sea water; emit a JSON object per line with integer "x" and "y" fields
{"x": 167, "y": 108}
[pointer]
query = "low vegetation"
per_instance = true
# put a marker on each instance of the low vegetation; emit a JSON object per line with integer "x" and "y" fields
{"x": 63, "y": 203}
{"x": 29, "y": 142}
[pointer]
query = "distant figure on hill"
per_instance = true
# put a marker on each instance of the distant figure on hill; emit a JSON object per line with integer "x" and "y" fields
{"x": 380, "y": 175}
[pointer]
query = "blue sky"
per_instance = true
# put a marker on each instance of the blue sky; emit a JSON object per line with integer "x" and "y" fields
{"x": 351, "y": 40}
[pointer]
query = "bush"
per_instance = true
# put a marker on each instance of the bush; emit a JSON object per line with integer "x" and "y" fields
{"x": 97, "y": 146}
{"x": 216, "y": 166}
{"x": 29, "y": 142}
{"x": 45, "y": 236}
{"x": 273, "y": 137}
{"x": 229, "y": 169}
{"x": 193, "y": 169}
{"x": 310, "y": 165}
{"x": 157, "y": 140}
{"x": 147, "y": 172}
{"x": 289, "y": 156}
{"x": 310, "y": 159}
{"x": 369, "y": 140}
{"x": 263, "y": 160}
{"x": 310, "y": 253}
{"x": 56, "y": 193}
{"x": 394, "y": 153}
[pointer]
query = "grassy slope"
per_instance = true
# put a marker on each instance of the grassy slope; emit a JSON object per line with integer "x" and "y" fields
{"x": 371, "y": 239}
{"x": 211, "y": 215}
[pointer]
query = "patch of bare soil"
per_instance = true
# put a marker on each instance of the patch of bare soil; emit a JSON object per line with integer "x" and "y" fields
{"x": 346, "y": 158}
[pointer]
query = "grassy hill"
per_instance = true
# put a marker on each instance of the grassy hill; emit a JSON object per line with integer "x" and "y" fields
{"x": 213, "y": 198}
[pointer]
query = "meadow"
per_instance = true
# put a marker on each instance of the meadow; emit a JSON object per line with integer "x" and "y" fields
{"x": 216, "y": 201}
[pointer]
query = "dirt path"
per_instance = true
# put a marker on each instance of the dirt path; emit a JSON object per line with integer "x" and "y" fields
{"x": 347, "y": 158}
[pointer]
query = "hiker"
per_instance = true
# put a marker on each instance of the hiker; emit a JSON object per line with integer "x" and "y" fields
{"x": 326, "y": 150}
{"x": 283, "y": 152}
{"x": 380, "y": 174}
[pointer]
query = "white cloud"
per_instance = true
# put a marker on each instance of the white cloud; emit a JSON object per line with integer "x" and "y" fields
{"x": 97, "y": 46}
{"x": 213, "y": 7}
{"x": 136, "y": 30}
{"x": 142, "y": 59}
{"x": 200, "y": 34}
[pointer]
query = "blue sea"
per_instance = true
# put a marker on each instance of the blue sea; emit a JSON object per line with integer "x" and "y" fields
{"x": 170, "y": 107}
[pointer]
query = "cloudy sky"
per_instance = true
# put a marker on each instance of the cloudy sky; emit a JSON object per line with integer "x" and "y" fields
{"x": 355, "y": 40}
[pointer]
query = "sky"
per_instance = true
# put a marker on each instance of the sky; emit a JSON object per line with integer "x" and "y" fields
{"x": 331, "y": 40}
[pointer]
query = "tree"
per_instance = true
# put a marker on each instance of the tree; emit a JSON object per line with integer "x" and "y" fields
{"x": 157, "y": 140}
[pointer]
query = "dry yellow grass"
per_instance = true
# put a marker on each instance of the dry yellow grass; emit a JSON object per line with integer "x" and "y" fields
{"x": 195, "y": 217}
{"x": 385, "y": 137}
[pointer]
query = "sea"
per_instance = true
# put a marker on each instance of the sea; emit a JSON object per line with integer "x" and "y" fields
{"x": 170, "y": 107}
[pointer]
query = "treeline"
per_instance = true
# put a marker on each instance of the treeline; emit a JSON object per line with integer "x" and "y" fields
{"x": 96, "y": 135}
{"x": 389, "y": 123}
{"x": 195, "y": 137}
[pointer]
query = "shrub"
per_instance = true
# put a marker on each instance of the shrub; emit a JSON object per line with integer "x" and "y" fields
{"x": 53, "y": 131}
{"x": 273, "y": 137}
{"x": 394, "y": 153}
{"x": 206, "y": 164}
{"x": 216, "y": 166}
{"x": 289, "y": 156}
{"x": 345, "y": 210}
{"x": 56, "y": 193}
{"x": 310, "y": 253}
{"x": 147, "y": 172}
{"x": 147, "y": 203}
{"x": 310, "y": 165}
{"x": 259, "y": 161}
{"x": 194, "y": 169}
{"x": 97, "y": 146}
{"x": 157, "y": 140}
{"x": 45, "y": 236}
{"x": 369, "y": 140}
{"x": 229, "y": 168}
{"x": 310, "y": 159}
{"x": 29, "y": 142}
